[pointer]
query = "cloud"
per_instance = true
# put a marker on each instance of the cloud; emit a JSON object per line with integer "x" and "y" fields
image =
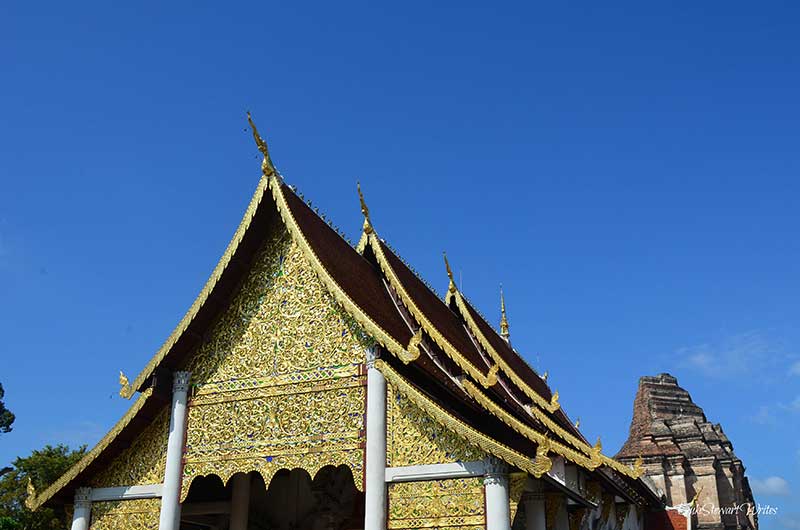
{"x": 745, "y": 353}
{"x": 770, "y": 486}
{"x": 794, "y": 369}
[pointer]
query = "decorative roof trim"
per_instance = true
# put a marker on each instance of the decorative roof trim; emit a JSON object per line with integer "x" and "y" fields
{"x": 378, "y": 333}
{"x": 486, "y": 380}
{"x": 551, "y": 406}
{"x": 526, "y": 431}
{"x": 458, "y": 427}
{"x": 205, "y": 292}
{"x": 88, "y": 458}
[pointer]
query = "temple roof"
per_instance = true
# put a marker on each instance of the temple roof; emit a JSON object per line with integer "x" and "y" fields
{"x": 441, "y": 350}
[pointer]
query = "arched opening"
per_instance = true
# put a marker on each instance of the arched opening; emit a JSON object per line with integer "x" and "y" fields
{"x": 292, "y": 501}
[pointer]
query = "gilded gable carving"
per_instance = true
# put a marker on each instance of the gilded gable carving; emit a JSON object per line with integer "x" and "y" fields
{"x": 455, "y": 503}
{"x": 279, "y": 382}
{"x": 139, "y": 514}
{"x": 414, "y": 438}
{"x": 143, "y": 461}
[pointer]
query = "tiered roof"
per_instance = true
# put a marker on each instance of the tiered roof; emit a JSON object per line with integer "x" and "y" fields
{"x": 444, "y": 355}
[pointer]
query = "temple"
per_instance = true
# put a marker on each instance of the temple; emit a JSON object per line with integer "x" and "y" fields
{"x": 314, "y": 384}
{"x": 689, "y": 459}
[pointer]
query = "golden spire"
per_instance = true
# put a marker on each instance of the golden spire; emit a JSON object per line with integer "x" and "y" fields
{"x": 364, "y": 210}
{"x": 452, "y": 287}
{"x": 266, "y": 164}
{"x": 503, "y": 319}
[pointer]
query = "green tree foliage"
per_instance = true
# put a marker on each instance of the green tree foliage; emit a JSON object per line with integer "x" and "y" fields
{"x": 43, "y": 467}
{"x": 6, "y": 416}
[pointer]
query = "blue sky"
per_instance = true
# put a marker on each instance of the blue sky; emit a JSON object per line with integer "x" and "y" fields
{"x": 628, "y": 172}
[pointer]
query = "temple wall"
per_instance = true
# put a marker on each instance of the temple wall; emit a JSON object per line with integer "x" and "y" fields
{"x": 139, "y": 514}
{"x": 441, "y": 504}
{"x": 279, "y": 382}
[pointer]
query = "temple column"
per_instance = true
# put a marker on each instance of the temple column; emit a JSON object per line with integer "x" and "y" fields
{"x": 375, "y": 473}
{"x": 82, "y": 513}
{"x": 170, "y": 507}
{"x": 240, "y": 501}
{"x": 495, "y": 483}
{"x": 534, "y": 511}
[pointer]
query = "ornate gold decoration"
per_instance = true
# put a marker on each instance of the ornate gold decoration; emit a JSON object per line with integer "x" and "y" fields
{"x": 278, "y": 382}
{"x": 576, "y": 518}
{"x": 486, "y": 380}
{"x": 638, "y": 468}
{"x": 125, "y": 390}
{"x": 364, "y": 321}
{"x": 413, "y": 348}
{"x": 415, "y": 438}
{"x": 441, "y": 416}
{"x": 143, "y": 461}
{"x": 31, "y": 491}
{"x": 440, "y": 504}
{"x": 516, "y": 488}
{"x": 550, "y": 406}
{"x": 552, "y": 504}
{"x": 140, "y": 514}
{"x": 503, "y": 319}
{"x": 527, "y": 431}
{"x": 542, "y": 463}
{"x": 89, "y": 457}
{"x": 545, "y": 375}
{"x": 364, "y": 210}
{"x": 266, "y": 164}
{"x": 554, "y": 404}
{"x": 577, "y": 423}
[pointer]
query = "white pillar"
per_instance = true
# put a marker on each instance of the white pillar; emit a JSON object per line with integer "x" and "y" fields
{"x": 82, "y": 513}
{"x": 534, "y": 511}
{"x": 170, "y": 507}
{"x": 240, "y": 501}
{"x": 495, "y": 484}
{"x": 375, "y": 474}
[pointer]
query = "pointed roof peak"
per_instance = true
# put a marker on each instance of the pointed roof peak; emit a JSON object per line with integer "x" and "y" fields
{"x": 266, "y": 164}
{"x": 503, "y": 318}
{"x": 451, "y": 288}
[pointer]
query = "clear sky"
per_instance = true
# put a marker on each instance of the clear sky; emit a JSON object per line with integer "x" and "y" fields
{"x": 628, "y": 172}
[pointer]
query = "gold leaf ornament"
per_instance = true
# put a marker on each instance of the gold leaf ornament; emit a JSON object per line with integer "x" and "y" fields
{"x": 125, "y": 385}
{"x": 412, "y": 350}
{"x": 31, "y": 490}
{"x": 542, "y": 463}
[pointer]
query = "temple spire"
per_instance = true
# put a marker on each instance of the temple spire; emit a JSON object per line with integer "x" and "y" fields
{"x": 364, "y": 210}
{"x": 452, "y": 286}
{"x": 266, "y": 164}
{"x": 503, "y": 319}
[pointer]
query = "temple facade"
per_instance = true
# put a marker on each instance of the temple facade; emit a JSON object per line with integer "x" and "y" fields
{"x": 689, "y": 459}
{"x": 315, "y": 384}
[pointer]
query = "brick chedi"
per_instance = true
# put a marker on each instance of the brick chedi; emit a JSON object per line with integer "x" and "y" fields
{"x": 685, "y": 455}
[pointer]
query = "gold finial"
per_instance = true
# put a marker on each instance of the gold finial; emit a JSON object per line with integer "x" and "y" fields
{"x": 542, "y": 463}
{"x": 413, "y": 348}
{"x": 554, "y": 405}
{"x": 545, "y": 375}
{"x": 31, "y": 494}
{"x": 364, "y": 210}
{"x": 598, "y": 446}
{"x": 503, "y": 319}
{"x": 266, "y": 164}
{"x": 638, "y": 467}
{"x": 125, "y": 386}
{"x": 452, "y": 287}
{"x": 577, "y": 423}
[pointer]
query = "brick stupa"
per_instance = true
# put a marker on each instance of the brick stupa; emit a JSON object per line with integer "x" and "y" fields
{"x": 685, "y": 454}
